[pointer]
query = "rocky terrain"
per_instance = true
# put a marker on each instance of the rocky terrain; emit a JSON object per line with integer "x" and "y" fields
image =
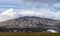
{"x": 30, "y": 22}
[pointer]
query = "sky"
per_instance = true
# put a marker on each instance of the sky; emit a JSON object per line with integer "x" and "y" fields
{"x": 42, "y": 8}
{"x": 28, "y": 4}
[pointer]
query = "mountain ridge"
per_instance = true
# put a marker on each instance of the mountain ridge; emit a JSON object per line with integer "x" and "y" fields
{"x": 30, "y": 22}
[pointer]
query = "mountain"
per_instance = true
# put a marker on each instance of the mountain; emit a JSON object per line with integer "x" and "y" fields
{"x": 30, "y": 22}
{"x": 8, "y": 14}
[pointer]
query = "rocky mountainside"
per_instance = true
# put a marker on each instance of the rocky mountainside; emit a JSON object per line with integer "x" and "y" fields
{"x": 30, "y": 22}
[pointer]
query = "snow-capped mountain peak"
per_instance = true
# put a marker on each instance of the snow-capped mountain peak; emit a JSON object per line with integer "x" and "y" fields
{"x": 8, "y": 14}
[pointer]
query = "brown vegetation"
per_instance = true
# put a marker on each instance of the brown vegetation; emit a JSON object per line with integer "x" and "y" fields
{"x": 28, "y": 34}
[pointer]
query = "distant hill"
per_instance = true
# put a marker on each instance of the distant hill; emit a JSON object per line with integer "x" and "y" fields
{"x": 30, "y": 22}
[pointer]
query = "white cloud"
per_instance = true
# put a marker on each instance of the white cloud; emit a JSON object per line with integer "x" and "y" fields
{"x": 41, "y": 13}
{"x": 12, "y": 14}
{"x": 36, "y": 9}
{"x": 28, "y": 13}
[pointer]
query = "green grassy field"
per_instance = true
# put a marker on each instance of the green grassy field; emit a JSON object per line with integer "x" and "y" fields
{"x": 28, "y": 34}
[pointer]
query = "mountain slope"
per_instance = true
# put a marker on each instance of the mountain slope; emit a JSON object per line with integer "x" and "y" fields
{"x": 30, "y": 22}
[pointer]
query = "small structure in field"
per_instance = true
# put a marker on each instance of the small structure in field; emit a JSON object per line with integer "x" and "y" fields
{"x": 52, "y": 31}
{"x": 55, "y": 29}
{"x": 15, "y": 30}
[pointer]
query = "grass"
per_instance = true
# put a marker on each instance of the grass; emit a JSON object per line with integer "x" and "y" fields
{"x": 28, "y": 34}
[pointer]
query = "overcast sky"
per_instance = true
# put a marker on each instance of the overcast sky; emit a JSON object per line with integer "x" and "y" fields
{"x": 49, "y": 7}
{"x": 29, "y": 3}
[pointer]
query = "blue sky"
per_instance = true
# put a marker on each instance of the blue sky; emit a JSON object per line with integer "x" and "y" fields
{"x": 47, "y": 5}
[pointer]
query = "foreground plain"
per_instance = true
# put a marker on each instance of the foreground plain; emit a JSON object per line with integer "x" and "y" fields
{"x": 28, "y": 34}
